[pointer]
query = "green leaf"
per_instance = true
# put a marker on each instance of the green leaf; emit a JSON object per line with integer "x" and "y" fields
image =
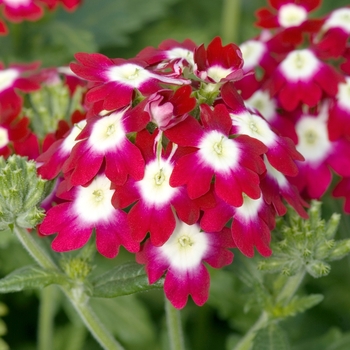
{"x": 30, "y": 277}
{"x": 128, "y": 319}
{"x": 271, "y": 337}
{"x": 300, "y": 304}
{"x": 124, "y": 279}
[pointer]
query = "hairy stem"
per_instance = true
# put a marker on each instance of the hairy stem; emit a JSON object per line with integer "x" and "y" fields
{"x": 77, "y": 296}
{"x": 175, "y": 333}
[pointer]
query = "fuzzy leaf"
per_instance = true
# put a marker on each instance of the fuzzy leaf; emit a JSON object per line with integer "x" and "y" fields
{"x": 271, "y": 337}
{"x": 30, "y": 277}
{"x": 124, "y": 279}
{"x": 299, "y": 305}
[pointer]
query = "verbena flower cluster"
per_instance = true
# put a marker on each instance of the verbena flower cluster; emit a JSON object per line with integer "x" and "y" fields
{"x": 186, "y": 151}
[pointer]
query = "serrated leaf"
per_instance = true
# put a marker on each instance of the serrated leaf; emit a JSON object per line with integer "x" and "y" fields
{"x": 271, "y": 337}
{"x": 30, "y": 277}
{"x": 124, "y": 279}
{"x": 300, "y": 304}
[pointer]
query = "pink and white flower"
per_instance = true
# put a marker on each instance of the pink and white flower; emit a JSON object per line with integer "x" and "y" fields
{"x": 302, "y": 78}
{"x": 104, "y": 139}
{"x": 155, "y": 202}
{"x": 89, "y": 208}
{"x": 181, "y": 260}
{"x": 114, "y": 80}
{"x": 235, "y": 163}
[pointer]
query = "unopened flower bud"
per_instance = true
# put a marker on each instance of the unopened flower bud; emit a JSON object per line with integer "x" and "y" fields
{"x": 21, "y": 191}
{"x": 322, "y": 251}
{"x": 341, "y": 248}
{"x": 317, "y": 268}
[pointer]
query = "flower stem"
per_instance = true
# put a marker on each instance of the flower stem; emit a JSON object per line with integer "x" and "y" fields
{"x": 230, "y": 20}
{"x": 286, "y": 294}
{"x": 175, "y": 334}
{"x": 247, "y": 341}
{"x": 46, "y": 317}
{"x": 92, "y": 323}
{"x": 33, "y": 248}
{"x": 290, "y": 288}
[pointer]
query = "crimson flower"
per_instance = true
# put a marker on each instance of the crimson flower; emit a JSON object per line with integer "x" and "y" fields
{"x": 86, "y": 209}
{"x": 181, "y": 259}
{"x": 211, "y": 152}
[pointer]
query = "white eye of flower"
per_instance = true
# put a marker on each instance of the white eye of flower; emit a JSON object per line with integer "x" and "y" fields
{"x": 7, "y": 78}
{"x": 4, "y": 137}
{"x": 217, "y": 73}
{"x": 93, "y": 203}
{"x": 254, "y": 126}
{"x": 186, "y": 246}
{"x": 250, "y": 207}
{"x": 154, "y": 187}
{"x": 300, "y": 65}
{"x": 291, "y": 15}
{"x": 313, "y": 142}
{"x": 262, "y": 102}
{"x": 252, "y": 52}
{"x": 179, "y": 52}
{"x": 129, "y": 74}
{"x": 339, "y": 18}
{"x": 107, "y": 132}
{"x": 218, "y": 151}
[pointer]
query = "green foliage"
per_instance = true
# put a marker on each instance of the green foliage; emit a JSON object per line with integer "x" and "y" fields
{"x": 30, "y": 277}
{"x": 271, "y": 337}
{"x": 306, "y": 244}
{"x": 21, "y": 191}
{"x": 124, "y": 324}
{"x": 49, "y": 105}
{"x": 124, "y": 279}
{"x": 3, "y": 329}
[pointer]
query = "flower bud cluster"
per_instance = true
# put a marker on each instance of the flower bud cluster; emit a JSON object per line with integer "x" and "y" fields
{"x": 306, "y": 245}
{"x": 21, "y": 192}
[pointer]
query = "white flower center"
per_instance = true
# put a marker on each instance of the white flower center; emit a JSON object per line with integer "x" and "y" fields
{"x": 313, "y": 142}
{"x": 252, "y": 52}
{"x": 250, "y": 208}
{"x": 300, "y": 65}
{"x": 154, "y": 187}
{"x": 262, "y": 102}
{"x": 254, "y": 126}
{"x": 291, "y": 15}
{"x": 7, "y": 78}
{"x": 344, "y": 94}
{"x": 179, "y": 52}
{"x": 218, "y": 151}
{"x": 339, "y": 18}
{"x": 93, "y": 203}
{"x": 186, "y": 247}
{"x": 129, "y": 74}
{"x": 107, "y": 133}
{"x": 17, "y": 3}
{"x": 217, "y": 73}
{"x": 70, "y": 141}
{"x": 4, "y": 137}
